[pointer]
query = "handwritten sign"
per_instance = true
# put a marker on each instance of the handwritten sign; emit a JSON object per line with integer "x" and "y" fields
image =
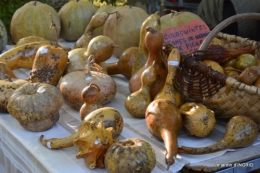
{"x": 187, "y": 37}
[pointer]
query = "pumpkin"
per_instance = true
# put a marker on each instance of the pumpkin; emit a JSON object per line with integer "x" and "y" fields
{"x": 3, "y": 36}
{"x": 33, "y": 18}
{"x": 35, "y": 106}
{"x": 123, "y": 27}
{"x": 74, "y": 17}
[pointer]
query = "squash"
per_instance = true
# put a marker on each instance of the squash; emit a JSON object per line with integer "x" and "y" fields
{"x": 123, "y": 27}
{"x": 91, "y": 96}
{"x": 169, "y": 91}
{"x": 3, "y": 36}
{"x": 8, "y": 84}
{"x": 104, "y": 8}
{"x": 35, "y": 106}
{"x": 72, "y": 84}
{"x": 137, "y": 102}
{"x": 33, "y": 19}
{"x": 74, "y": 17}
{"x": 241, "y": 131}
{"x": 164, "y": 122}
{"x": 154, "y": 43}
{"x": 130, "y": 155}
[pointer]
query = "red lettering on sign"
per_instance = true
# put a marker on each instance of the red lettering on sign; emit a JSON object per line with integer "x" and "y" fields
{"x": 187, "y": 37}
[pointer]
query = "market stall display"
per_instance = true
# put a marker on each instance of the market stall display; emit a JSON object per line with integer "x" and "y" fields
{"x": 82, "y": 79}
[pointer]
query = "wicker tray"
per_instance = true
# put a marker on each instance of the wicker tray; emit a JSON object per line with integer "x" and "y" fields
{"x": 225, "y": 95}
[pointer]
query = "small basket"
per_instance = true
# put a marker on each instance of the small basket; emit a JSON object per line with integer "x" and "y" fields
{"x": 225, "y": 95}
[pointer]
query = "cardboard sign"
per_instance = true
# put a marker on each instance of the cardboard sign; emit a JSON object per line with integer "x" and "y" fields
{"x": 187, "y": 37}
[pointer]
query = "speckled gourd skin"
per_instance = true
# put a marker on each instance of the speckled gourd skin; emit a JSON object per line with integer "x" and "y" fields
{"x": 131, "y": 155}
{"x": 35, "y": 102}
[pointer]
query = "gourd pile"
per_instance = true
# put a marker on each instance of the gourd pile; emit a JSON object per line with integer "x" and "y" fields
{"x": 149, "y": 49}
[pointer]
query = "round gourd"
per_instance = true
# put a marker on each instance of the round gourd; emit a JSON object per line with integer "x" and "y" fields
{"x": 74, "y": 17}
{"x": 3, "y": 36}
{"x": 130, "y": 155}
{"x": 35, "y": 106}
{"x": 33, "y": 18}
{"x": 123, "y": 27}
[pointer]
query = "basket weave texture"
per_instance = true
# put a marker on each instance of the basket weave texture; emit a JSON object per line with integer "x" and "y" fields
{"x": 226, "y": 96}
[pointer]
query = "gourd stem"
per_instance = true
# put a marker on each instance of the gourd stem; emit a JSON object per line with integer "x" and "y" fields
{"x": 53, "y": 26}
{"x": 90, "y": 61}
{"x": 35, "y": 3}
{"x": 8, "y": 77}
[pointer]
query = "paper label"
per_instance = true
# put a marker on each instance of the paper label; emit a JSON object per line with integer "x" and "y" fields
{"x": 188, "y": 37}
{"x": 173, "y": 63}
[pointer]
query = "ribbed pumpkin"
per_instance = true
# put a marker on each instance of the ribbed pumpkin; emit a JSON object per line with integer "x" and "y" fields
{"x": 74, "y": 16}
{"x": 33, "y": 18}
{"x": 3, "y": 36}
{"x": 124, "y": 27}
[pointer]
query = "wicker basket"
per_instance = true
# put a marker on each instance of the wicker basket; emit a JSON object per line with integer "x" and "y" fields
{"x": 225, "y": 95}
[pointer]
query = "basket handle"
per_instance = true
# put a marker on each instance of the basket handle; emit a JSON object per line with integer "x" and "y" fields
{"x": 226, "y": 22}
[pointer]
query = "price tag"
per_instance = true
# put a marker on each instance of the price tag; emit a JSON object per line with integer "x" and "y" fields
{"x": 173, "y": 63}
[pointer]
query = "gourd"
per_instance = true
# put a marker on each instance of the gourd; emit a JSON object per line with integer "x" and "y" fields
{"x": 124, "y": 64}
{"x": 198, "y": 120}
{"x": 104, "y": 8}
{"x": 91, "y": 96}
{"x": 72, "y": 84}
{"x": 164, "y": 121}
{"x": 101, "y": 47}
{"x": 137, "y": 102}
{"x": 50, "y": 63}
{"x": 152, "y": 21}
{"x": 105, "y": 124}
{"x": 92, "y": 141}
{"x": 154, "y": 43}
{"x": 35, "y": 106}
{"x": 169, "y": 91}
{"x": 22, "y": 56}
{"x": 33, "y": 19}
{"x": 130, "y": 155}
{"x": 3, "y": 36}
{"x": 134, "y": 58}
{"x": 74, "y": 18}
{"x": 123, "y": 27}
{"x": 241, "y": 131}
{"x": 96, "y": 21}
{"x": 8, "y": 84}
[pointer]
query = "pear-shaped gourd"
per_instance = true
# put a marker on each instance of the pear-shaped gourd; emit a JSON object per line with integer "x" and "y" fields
{"x": 101, "y": 47}
{"x": 124, "y": 64}
{"x": 168, "y": 91}
{"x": 72, "y": 84}
{"x": 164, "y": 122}
{"x": 241, "y": 131}
{"x": 154, "y": 44}
{"x": 97, "y": 20}
{"x": 198, "y": 120}
{"x": 91, "y": 96}
{"x": 137, "y": 102}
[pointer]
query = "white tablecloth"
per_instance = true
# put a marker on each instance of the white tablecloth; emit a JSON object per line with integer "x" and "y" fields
{"x": 20, "y": 150}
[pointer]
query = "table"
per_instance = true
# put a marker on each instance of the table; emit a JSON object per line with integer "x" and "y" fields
{"x": 21, "y": 151}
